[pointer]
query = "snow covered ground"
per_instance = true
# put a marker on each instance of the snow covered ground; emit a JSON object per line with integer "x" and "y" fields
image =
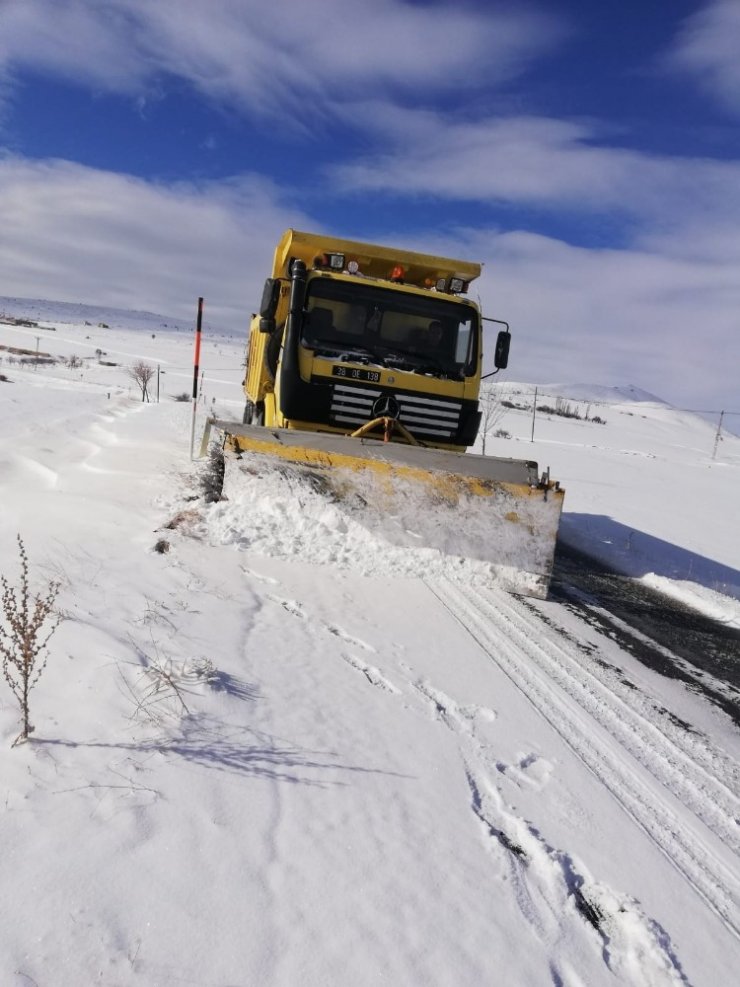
{"x": 286, "y": 753}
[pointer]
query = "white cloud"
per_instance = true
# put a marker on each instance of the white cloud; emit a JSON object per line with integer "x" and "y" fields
{"x": 77, "y": 234}
{"x": 535, "y": 161}
{"x": 72, "y": 38}
{"x": 665, "y": 323}
{"x": 707, "y": 47}
{"x": 263, "y": 56}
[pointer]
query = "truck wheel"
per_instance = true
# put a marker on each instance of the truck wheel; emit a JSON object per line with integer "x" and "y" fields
{"x": 258, "y": 415}
{"x": 248, "y": 413}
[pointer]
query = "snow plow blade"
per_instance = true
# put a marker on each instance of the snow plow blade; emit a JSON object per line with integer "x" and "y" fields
{"x": 495, "y": 510}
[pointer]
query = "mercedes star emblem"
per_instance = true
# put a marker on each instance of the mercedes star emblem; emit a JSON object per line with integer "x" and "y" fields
{"x": 386, "y": 406}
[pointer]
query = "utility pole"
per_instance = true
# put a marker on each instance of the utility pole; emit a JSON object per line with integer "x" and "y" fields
{"x": 534, "y": 413}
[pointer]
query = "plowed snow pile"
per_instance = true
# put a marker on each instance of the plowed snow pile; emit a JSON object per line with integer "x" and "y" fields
{"x": 283, "y": 514}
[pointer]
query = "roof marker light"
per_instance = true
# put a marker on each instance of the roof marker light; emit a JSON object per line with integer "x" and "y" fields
{"x": 397, "y": 273}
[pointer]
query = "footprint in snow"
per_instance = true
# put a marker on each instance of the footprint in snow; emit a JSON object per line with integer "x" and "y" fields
{"x": 259, "y": 577}
{"x": 348, "y": 639}
{"x": 531, "y": 769}
{"x": 372, "y": 674}
{"x": 554, "y": 883}
{"x": 290, "y": 605}
{"x": 474, "y": 712}
{"x": 462, "y": 719}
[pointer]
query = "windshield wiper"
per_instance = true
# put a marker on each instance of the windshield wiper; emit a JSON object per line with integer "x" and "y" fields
{"x": 430, "y": 365}
{"x": 359, "y": 351}
{"x": 347, "y": 351}
{"x": 397, "y": 360}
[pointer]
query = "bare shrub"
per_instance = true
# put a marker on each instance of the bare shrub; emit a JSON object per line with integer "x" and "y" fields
{"x": 158, "y": 695}
{"x": 562, "y": 408}
{"x": 26, "y": 625}
{"x": 74, "y": 362}
{"x": 141, "y": 373}
{"x": 212, "y": 475}
{"x": 492, "y": 411}
{"x": 183, "y": 396}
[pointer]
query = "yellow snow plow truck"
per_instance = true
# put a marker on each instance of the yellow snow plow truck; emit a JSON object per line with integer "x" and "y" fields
{"x": 364, "y": 366}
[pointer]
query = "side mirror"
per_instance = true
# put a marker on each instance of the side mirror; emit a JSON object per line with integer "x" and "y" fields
{"x": 267, "y": 325}
{"x": 268, "y": 306}
{"x": 501, "y": 356}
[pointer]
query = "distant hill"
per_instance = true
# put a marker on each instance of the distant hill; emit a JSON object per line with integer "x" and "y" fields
{"x": 601, "y": 392}
{"x": 44, "y": 310}
{"x": 587, "y": 393}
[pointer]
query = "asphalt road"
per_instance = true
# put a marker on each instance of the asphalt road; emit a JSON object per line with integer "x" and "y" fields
{"x": 664, "y": 634}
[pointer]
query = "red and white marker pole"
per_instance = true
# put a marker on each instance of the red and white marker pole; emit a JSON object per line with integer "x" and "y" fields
{"x": 196, "y": 367}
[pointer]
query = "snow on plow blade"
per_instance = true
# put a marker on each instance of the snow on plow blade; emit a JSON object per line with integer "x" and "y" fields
{"x": 476, "y": 507}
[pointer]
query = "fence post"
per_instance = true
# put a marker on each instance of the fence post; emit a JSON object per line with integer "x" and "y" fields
{"x": 718, "y": 436}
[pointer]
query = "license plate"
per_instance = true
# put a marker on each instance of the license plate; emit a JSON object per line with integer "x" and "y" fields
{"x": 356, "y": 373}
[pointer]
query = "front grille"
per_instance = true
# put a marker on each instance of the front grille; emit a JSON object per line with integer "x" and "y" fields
{"x": 425, "y": 417}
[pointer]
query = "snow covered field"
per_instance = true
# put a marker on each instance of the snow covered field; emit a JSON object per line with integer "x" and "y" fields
{"x": 285, "y": 753}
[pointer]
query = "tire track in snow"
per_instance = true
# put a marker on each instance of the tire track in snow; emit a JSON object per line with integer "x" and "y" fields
{"x": 624, "y": 712}
{"x": 627, "y": 637}
{"x": 506, "y": 636}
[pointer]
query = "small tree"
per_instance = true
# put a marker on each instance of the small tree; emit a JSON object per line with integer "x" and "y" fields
{"x": 23, "y": 636}
{"x": 141, "y": 373}
{"x": 492, "y": 411}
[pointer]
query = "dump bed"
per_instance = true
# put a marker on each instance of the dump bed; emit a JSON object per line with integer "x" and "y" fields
{"x": 374, "y": 261}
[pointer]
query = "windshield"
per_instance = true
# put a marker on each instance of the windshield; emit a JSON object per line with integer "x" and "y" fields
{"x": 359, "y": 322}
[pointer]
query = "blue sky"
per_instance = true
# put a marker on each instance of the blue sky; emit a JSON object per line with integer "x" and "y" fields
{"x": 587, "y": 153}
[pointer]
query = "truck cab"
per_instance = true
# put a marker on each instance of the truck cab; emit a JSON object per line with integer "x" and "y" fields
{"x": 350, "y": 332}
